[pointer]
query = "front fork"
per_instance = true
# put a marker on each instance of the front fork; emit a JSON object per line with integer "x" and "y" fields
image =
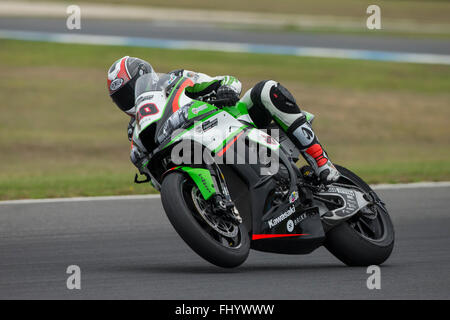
{"x": 222, "y": 198}
{"x": 211, "y": 184}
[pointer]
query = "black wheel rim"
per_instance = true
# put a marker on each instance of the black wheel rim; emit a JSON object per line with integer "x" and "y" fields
{"x": 228, "y": 242}
{"x": 371, "y": 228}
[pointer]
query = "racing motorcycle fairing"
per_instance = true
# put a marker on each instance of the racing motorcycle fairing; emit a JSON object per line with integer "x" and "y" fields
{"x": 290, "y": 227}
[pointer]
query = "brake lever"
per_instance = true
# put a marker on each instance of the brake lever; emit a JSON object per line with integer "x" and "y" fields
{"x": 219, "y": 103}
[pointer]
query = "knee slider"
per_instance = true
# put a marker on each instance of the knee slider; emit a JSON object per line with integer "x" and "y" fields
{"x": 283, "y": 100}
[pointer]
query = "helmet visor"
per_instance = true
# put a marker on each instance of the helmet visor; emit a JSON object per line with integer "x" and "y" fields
{"x": 124, "y": 97}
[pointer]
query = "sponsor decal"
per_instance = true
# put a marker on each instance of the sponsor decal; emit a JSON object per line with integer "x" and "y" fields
{"x": 200, "y": 108}
{"x": 273, "y": 222}
{"x": 205, "y": 184}
{"x": 192, "y": 75}
{"x": 345, "y": 191}
{"x": 293, "y": 197}
{"x": 263, "y": 138}
{"x": 172, "y": 78}
{"x": 303, "y": 216}
{"x": 209, "y": 124}
{"x": 290, "y": 226}
{"x": 198, "y": 129}
{"x": 270, "y": 140}
{"x": 116, "y": 84}
{"x": 300, "y": 218}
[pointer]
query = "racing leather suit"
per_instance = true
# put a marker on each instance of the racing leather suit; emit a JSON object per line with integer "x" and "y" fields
{"x": 266, "y": 101}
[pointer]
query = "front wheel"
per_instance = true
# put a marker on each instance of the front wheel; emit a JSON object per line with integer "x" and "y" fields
{"x": 215, "y": 239}
{"x": 365, "y": 239}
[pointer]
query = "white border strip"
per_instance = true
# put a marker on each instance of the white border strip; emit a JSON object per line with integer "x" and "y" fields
{"x": 18, "y": 8}
{"x": 399, "y": 186}
{"x": 413, "y": 185}
{"x": 299, "y": 51}
{"x": 81, "y": 199}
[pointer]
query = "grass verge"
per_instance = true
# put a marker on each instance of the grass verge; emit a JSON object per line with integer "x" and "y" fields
{"x": 435, "y": 11}
{"x": 61, "y": 136}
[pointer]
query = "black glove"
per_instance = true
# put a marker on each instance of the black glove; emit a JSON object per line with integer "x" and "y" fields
{"x": 227, "y": 95}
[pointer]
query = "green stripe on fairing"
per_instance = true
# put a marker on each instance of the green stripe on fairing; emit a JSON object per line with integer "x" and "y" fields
{"x": 197, "y": 104}
{"x": 233, "y": 111}
{"x": 231, "y": 136}
{"x": 190, "y": 128}
{"x": 240, "y": 109}
{"x": 236, "y": 111}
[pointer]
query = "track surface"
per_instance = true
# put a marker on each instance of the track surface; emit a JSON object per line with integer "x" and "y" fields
{"x": 211, "y": 33}
{"x": 128, "y": 249}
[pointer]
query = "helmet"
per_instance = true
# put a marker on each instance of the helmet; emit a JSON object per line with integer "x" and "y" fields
{"x": 121, "y": 81}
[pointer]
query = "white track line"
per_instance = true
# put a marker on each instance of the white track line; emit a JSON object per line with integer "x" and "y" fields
{"x": 17, "y": 8}
{"x": 91, "y": 39}
{"x": 415, "y": 185}
{"x": 81, "y": 199}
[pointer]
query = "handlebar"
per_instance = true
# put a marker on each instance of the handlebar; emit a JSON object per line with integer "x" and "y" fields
{"x": 218, "y": 102}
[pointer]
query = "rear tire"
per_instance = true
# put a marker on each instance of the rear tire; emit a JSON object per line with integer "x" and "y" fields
{"x": 188, "y": 223}
{"x": 353, "y": 247}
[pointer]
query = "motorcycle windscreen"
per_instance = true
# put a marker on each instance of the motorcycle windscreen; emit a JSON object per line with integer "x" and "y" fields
{"x": 150, "y": 104}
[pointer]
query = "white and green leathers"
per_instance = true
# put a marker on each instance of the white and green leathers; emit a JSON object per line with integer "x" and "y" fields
{"x": 265, "y": 102}
{"x": 204, "y": 85}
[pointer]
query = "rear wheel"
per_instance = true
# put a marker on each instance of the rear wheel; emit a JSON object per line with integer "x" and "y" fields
{"x": 368, "y": 237}
{"x": 215, "y": 238}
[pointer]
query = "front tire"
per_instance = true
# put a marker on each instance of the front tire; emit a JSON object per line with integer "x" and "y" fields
{"x": 176, "y": 196}
{"x": 353, "y": 242}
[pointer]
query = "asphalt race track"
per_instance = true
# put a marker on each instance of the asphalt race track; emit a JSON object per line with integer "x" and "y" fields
{"x": 128, "y": 249}
{"x": 199, "y": 32}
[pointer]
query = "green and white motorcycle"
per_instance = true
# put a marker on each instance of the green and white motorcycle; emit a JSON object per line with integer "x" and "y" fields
{"x": 227, "y": 186}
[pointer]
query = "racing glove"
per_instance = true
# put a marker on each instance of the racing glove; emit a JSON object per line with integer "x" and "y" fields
{"x": 228, "y": 95}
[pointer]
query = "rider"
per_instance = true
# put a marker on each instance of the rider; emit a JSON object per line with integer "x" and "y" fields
{"x": 266, "y": 101}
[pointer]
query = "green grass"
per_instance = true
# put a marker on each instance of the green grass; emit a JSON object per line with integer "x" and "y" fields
{"x": 427, "y": 19}
{"x": 60, "y": 134}
{"x": 415, "y": 10}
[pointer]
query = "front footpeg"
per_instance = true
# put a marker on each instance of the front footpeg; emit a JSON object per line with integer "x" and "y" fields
{"x": 147, "y": 178}
{"x": 349, "y": 202}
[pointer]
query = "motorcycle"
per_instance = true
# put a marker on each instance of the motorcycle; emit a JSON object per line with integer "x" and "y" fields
{"x": 234, "y": 199}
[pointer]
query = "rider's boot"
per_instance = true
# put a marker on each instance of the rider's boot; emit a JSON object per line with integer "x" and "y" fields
{"x": 301, "y": 133}
{"x": 270, "y": 100}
